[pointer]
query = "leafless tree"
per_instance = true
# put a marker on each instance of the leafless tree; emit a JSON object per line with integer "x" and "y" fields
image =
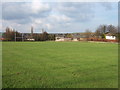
{"x": 101, "y": 30}
{"x": 112, "y": 29}
{"x": 88, "y": 33}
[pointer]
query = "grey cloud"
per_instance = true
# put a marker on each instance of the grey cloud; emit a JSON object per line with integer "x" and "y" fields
{"x": 58, "y": 16}
{"x": 76, "y": 10}
{"x": 13, "y": 11}
{"x": 23, "y": 21}
{"x": 22, "y": 13}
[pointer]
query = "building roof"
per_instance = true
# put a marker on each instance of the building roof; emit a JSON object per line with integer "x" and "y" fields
{"x": 109, "y": 34}
{"x": 60, "y": 35}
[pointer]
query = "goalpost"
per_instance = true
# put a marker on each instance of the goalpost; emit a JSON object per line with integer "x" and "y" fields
{"x": 22, "y": 37}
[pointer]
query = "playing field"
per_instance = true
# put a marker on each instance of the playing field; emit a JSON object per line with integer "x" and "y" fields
{"x": 60, "y": 65}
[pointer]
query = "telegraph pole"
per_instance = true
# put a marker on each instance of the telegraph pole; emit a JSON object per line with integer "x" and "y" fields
{"x": 22, "y": 37}
{"x": 32, "y": 32}
{"x": 15, "y": 35}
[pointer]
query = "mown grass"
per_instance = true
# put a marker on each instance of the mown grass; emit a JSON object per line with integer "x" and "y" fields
{"x": 60, "y": 65}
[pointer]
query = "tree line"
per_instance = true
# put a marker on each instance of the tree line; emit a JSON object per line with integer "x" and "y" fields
{"x": 100, "y": 32}
{"x": 11, "y": 35}
{"x": 44, "y": 37}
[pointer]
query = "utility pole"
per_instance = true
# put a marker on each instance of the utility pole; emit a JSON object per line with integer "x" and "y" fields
{"x": 22, "y": 37}
{"x": 32, "y": 32}
{"x": 15, "y": 35}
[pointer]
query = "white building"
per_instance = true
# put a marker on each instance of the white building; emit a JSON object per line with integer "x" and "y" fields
{"x": 62, "y": 37}
{"x": 75, "y": 39}
{"x": 110, "y": 36}
{"x": 30, "y": 39}
{"x": 59, "y": 38}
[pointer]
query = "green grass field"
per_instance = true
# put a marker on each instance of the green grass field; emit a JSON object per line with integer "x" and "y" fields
{"x": 60, "y": 65}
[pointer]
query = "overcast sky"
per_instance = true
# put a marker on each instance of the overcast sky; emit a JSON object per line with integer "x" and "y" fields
{"x": 57, "y": 17}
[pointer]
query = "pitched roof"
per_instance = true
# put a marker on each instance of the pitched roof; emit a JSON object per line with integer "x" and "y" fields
{"x": 109, "y": 34}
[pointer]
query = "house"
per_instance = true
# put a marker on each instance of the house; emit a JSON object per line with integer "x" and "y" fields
{"x": 59, "y": 37}
{"x": 110, "y": 36}
{"x": 1, "y": 39}
{"x": 67, "y": 39}
{"x": 74, "y": 37}
{"x": 30, "y": 39}
{"x": 79, "y": 37}
{"x": 62, "y": 37}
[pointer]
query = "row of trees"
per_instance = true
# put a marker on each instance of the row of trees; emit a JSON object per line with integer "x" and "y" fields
{"x": 12, "y": 35}
{"x": 43, "y": 37}
{"x": 9, "y": 35}
{"x": 102, "y": 30}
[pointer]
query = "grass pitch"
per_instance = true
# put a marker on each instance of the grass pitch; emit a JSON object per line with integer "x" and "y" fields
{"x": 60, "y": 65}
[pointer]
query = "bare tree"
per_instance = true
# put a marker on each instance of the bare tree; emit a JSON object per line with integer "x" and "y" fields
{"x": 9, "y": 35}
{"x": 101, "y": 30}
{"x": 88, "y": 33}
{"x": 112, "y": 29}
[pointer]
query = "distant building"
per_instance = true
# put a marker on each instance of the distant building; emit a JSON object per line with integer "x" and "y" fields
{"x": 75, "y": 37}
{"x": 110, "y": 36}
{"x": 29, "y": 36}
{"x": 30, "y": 39}
{"x": 59, "y": 37}
{"x": 1, "y": 39}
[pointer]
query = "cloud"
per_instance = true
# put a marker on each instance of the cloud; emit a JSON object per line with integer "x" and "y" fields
{"x": 77, "y": 11}
{"x": 53, "y": 16}
{"x": 59, "y": 18}
{"x": 49, "y": 26}
{"x": 38, "y": 7}
{"x": 13, "y": 11}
